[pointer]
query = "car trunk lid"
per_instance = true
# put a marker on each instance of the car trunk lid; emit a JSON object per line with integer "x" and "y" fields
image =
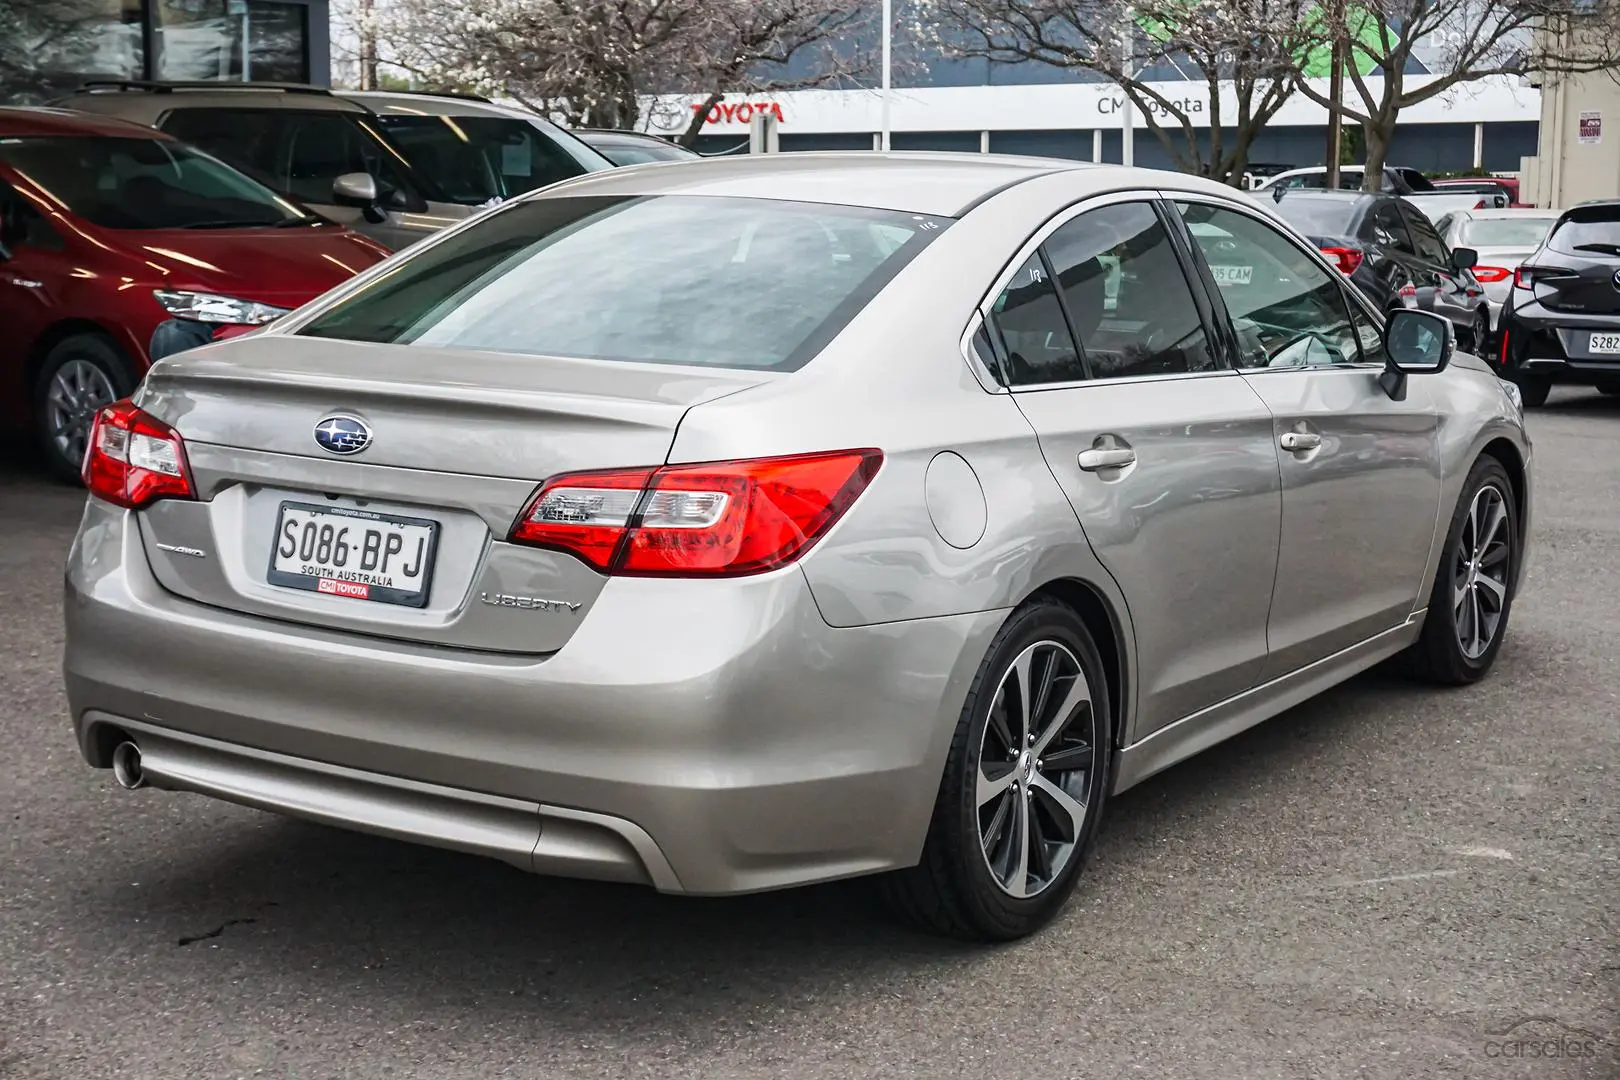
{"x": 459, "y": 441}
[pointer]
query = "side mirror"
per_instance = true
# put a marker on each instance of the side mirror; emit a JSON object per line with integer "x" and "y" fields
{"x": 1416, "y": 343}
{"x": 360, "y": 190}
{"x": 1464, "y": 258}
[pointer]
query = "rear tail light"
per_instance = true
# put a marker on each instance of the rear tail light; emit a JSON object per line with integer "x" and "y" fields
{"x": 1347, "y": 258}
{"x": 1524, "y": 277}
{"x": 134, "y": 459}
{"x": 1483, "y": 204}
{"x": 724, "y": 518}
{"x": 1491, "y": 274}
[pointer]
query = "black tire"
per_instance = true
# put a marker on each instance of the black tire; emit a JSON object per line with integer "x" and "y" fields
{"x": 1612, "y": 389}
{"x": 1439, "y": 656}
{"x": 953, "y": 890}
{"x": 103, "y": 370}
{"x": 1534, "y": 389}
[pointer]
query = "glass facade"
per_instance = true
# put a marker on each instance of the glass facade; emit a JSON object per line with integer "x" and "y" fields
{"x": 50, "y": 47}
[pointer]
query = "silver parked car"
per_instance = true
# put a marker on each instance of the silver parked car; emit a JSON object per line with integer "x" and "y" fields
{"x": 1503, "y": 239}
{"x": 772, "y": 520}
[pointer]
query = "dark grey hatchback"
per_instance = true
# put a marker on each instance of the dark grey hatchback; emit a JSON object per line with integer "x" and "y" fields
{"x": 1561, "y": 323}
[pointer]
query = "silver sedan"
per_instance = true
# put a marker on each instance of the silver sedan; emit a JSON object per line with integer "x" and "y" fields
{"x": 790, "y": 518}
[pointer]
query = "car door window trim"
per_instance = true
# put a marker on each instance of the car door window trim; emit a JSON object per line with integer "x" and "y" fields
{"x": 1036, "y": 242}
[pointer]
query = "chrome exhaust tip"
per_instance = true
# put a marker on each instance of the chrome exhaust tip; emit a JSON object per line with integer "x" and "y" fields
{"x": 126, "y": 766}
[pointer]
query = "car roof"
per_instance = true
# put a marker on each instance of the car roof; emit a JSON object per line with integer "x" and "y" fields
{"x": 146, "y": 102}
{"x": 921, "y": 182}
{"x": 412, "y": 103}
{"x": 48, "y": 120}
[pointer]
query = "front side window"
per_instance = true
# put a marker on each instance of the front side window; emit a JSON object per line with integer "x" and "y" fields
{"x": 296, "y": 153}
{"x": 21, "y": 225}
{"x": 1035, "y": 337}
{"x": 1287, "y": 310}
{"x": 122, "y": 183}
{"x": 758, "y": 284}
{"x": 1387, "y": 228}
{"x": 1430, "y": 247}
{"x": 1127, "y": 294}
{"x": 476, "y": 160}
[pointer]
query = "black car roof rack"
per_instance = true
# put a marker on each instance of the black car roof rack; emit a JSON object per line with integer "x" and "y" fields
{"x": 164, "y": 87}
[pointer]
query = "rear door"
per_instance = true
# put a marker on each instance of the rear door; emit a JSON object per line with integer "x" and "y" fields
{"x": 1360, "y": 472}
{"x": 1165, "y": 454}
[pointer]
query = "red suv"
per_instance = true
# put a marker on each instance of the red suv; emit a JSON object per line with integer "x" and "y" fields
{"x": 111, "y": 234}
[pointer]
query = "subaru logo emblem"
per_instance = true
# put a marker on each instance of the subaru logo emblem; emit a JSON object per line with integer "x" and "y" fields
{"x": 343, "y": 434}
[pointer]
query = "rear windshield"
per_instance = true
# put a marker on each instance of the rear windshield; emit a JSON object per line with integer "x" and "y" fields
{"x": 146, "y": 184}
{"x": 1594, "y": 231}
{"x": 663, "y": 279}
{"x": 1525, "y": 232}
{"x": 1415, "y": 180}
{"x": 1318, "y": 217}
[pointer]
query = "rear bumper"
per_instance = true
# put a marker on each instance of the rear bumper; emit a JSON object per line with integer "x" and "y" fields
{"x": 1553, "y": 345}
{"x": 703, "y": 737}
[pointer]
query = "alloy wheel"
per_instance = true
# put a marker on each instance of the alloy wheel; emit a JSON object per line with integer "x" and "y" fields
{"x": 1034, "y": 776}
{"x": 1482, "y": 333}
{"x": 78, "y": 391}
{"x": 1480, "y": 572}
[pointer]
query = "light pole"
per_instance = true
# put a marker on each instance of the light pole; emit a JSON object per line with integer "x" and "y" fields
{"x": 1127, "y": 112}
{"x": 888, "y": 73}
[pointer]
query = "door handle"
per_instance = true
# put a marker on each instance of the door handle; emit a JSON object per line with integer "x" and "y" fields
{"x": 1299, "y": 440}
{"x": 1115, "y": 458}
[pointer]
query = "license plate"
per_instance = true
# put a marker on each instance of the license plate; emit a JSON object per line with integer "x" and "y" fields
{"x": 1232, "y": 275}
{"x": 337, "y": 551}
{"x": 1603, "y": 343}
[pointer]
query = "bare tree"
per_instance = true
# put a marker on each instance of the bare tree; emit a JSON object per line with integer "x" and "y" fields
{"x": 1461, "y": 41}
{"x": 591, "y": 61}
{"x": 1239, "y": 52}
{"x": 766, "y": 46}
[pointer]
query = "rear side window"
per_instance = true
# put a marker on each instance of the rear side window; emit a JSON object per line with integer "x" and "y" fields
{"x": 1127, "y": 294}
{"x": 666, "y": 279}
{"x": 1034, "y": 334}
{"x": 1386, "y": 229}
{"x": 296, "y": 153}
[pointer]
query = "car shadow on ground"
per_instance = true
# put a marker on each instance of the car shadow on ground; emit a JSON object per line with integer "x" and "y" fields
{"x": 354, "y": 912}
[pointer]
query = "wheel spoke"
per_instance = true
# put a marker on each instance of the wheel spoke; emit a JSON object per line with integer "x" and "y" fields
{"x": 994, "y": 831}
{"x": 1021, "y": 674}
{"x": 1471, "y": 530}
{"x": 1477, "y": 621}
{"x": 998, "y": 721}
{"x": 1066, "y": 759}
{"x": 1495, "y": 520}
{"x": 1067, "y": 812}
{"x": 1040, "y": 858}
{"x": 1015, "y": 865}
{"x": 992, "y": 785}
{"x": 1079, "y": 693}
{"x": 1494, "y": 556}
{"x": 1493, "y": 589}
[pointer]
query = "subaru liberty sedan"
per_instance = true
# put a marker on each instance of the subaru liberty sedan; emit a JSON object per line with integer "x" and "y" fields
{"x": 773, "y": 520}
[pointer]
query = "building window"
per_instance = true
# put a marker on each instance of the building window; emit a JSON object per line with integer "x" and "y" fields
{"x": 257, "y": 40}
{"x": 57, "y": 44}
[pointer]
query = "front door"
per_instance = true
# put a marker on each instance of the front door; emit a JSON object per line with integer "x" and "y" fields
{"x": 1165, "y": 455}
{"x": 1360, "y": 471}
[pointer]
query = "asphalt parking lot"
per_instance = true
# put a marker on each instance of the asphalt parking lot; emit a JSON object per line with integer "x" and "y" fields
{"x": 1378, "y": 884}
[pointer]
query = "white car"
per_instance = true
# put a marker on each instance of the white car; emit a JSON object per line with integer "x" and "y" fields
{"x": 1504, "y": 238}
{"x": 1409, "y": 184}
